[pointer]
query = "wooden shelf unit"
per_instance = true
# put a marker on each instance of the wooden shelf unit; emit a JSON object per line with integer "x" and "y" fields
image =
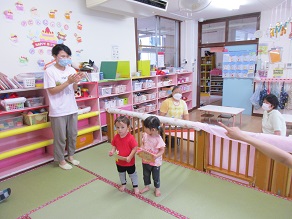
{"x": 207, "y": 64}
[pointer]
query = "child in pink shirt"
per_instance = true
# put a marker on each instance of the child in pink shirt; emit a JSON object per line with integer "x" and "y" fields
{"x": 154, "y": 144}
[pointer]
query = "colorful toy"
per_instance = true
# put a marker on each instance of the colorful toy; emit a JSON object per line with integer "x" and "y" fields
{"x": 84, "y": 92}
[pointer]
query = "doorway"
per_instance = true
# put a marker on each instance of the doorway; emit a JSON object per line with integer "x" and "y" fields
{"x": 211, "y": 81}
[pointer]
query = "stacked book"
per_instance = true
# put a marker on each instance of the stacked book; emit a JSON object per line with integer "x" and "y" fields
{"x": 8, "y": 83}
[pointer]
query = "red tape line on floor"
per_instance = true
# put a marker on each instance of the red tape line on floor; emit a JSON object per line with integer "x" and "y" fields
{"x": 107, "y": 181}
{"x": 142, "y": 198}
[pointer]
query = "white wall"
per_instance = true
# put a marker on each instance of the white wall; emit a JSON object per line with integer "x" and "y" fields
{"x": 100, "y": 32}
{"x": 189, "y": 51}
{"x": 280, "y": 41}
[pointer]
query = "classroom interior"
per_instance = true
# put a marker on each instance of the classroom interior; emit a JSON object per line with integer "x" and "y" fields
{"x": 90, "y": 190}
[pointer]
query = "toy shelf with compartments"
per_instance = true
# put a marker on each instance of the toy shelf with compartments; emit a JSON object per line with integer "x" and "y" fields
{"x": 24, "y": 147}
{"x": 145, "y": 94}
{"x": 216, "y": 85}
{"x": 114, "y": 93}
{"x": 207, "y": 64}
{"x": 142, "y": 94}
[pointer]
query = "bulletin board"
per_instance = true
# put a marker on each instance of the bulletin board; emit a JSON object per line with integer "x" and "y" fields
{"x": 239, "y": 64}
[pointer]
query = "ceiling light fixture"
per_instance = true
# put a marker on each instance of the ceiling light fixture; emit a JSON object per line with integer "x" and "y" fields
{"x": 228, "y": 4}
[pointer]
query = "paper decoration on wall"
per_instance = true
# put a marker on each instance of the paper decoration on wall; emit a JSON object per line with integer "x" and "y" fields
{"x": 275, "y": 55}
{"x": 19, "y": 6}
{"x": 52, "y": 24}
{"x": 41, "y": 63}
{"x": 78, "y": 38}
{"x": 30, "y": 22}
{"x": 239, "y": 64}
{"x": 263, "y": 49}
{"x": 34, "y": 12}
{"x": 52, "y": 14}
{"x": 78, "y": 52}
{"x": 79, "y": 25}
{"x": 45, "y": 22}
{"x": 8, "y": 14}
{"x": 61, "y": 37}
{"x": 160, "y": 61}
{"x": 13, "y": 38}
{"x": 68, "y": 15}
{"x": 23, "y": 60}
{"x": 278, "y": 73}
{"x": 46, "y": 38}
{"x": 279, "y": 29}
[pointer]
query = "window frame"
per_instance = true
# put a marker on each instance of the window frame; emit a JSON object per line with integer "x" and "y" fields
{"x": 221, "y": 44}
{"x": 158, "y": 48}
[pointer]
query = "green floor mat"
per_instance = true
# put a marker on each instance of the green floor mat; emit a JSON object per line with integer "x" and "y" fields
{"x": 195, "y": 194}
{"x": 35, "y": 188}
{"x": 99, "y": 200}
{"x": 187, "y": 192}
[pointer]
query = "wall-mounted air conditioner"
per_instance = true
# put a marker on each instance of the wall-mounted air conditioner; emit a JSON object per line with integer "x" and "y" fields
{"x": 132, "y": 8}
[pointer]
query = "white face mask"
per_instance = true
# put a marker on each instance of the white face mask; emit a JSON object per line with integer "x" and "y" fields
{"x": 266, "y": 106}
{"x": 177, "y": 96}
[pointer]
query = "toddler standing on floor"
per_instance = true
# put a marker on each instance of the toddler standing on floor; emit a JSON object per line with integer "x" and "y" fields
{"x": 125, "y": 145}
{"x": 153, "y": 143}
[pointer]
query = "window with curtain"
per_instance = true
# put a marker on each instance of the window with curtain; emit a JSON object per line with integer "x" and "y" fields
{"x": 157, "y": 34}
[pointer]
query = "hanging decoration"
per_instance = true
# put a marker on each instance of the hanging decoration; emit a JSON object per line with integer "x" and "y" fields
{"x": 280, "y": 20}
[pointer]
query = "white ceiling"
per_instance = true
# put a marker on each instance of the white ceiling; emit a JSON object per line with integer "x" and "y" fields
{"x": 128, "y": 8}
{"x": 211, "y": 12}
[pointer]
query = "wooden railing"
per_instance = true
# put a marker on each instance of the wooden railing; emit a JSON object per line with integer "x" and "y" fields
{"x": 187, "y": 144}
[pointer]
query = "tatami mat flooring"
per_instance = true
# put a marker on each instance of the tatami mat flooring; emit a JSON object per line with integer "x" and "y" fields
{"x": 90, "y": 191}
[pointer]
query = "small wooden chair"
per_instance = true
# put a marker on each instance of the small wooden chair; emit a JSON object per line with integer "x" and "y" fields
{"x": 207, "y": 116}
{"x": 224, "y": 116}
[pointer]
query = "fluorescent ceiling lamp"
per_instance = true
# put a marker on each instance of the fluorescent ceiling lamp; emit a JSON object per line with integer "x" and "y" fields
{"x": 228, "y": 4}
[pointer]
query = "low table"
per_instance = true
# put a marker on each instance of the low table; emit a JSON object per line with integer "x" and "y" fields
{"x": 288, "y": 119}
{"x": 234, "y": 111}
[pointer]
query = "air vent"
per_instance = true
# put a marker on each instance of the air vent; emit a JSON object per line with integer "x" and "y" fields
{"x": 158, "y": 4}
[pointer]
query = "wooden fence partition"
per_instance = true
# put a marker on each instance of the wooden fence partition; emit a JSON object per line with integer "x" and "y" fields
{"x": 193, "y": 145}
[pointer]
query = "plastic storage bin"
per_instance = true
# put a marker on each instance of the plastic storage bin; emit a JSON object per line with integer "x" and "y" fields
{"x": 11, "y": 122}
{"x": 34, "y": 101}
{"x": 26, "y": 79}
{"x": 137, "y": 85}
{"x": 35, "y": 118}
{"x": 84, "y": 140}
{"x": 13, "y": 104}
{"x": 104, "y": 91}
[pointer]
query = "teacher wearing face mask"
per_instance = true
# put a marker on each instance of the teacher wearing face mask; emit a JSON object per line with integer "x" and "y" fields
{"x": 174, "y": 106}
{"x": 273, "y": 122}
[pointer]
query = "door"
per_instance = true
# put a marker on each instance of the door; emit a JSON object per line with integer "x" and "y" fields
{"x": 237, "y": 91}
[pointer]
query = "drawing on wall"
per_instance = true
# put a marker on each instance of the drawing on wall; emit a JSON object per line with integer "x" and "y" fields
{"x": 13, "y": 38}
{"x": 78, "y": 38}
{"x": 68, "y": 15}
{"x": 37, "y": 31}
{"x": 61, "y": 37}
{"x": 8, "y": 15}
{"x": 79, "y": 25}
{"x": 19, "y": 6}
{"x": 34, "y": 12}
{"x": 23, "y": 60}
{"x": 52, "y": 13}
